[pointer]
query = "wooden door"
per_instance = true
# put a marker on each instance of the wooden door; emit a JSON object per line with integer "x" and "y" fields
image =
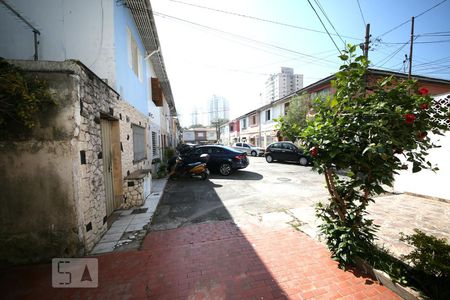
{"x": 107, "y": 165}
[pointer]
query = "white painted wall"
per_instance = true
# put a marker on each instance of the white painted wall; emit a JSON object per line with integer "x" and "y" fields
{"x": 58, "y": 20}
{"x": 427, "y": 182}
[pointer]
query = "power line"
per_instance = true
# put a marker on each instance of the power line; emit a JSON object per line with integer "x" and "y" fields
{"x": 362, "y": 15}
{"x": 241, "y": 37}
{"x": 329, "y": 21}
{"x": 409, "y": 20}
{"x": 388, "y": 58}
{"x": 324, "y": 26}
{"x": 259, "y": 19}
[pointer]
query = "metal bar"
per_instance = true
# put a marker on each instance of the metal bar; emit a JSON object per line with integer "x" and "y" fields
{"x": 36, "y": 43}
{"x": 19, "y": 16}
{"x": 35, "y": 31}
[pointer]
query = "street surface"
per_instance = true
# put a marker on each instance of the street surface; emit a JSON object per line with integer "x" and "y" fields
{"x": 284, "y": 194}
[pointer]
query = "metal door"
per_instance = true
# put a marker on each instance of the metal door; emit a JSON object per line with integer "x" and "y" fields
{"x": 107, "y": 165}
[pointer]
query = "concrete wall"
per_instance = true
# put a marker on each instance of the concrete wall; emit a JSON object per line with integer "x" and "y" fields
{"x": 40, "y": 215}
{"x": 53, "y": 192}
{"x": 426, "y": 182}
{"x": 81, "y": 30}
{"x": 133, "y": 89}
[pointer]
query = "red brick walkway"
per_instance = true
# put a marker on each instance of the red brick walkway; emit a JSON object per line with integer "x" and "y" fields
{"x": 210, "y": 261}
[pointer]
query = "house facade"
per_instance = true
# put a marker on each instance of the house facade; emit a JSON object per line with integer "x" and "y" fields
{"x": 119, "y": 115}
{"x": 117, "y": 40}
{"x": 206, "y": 135}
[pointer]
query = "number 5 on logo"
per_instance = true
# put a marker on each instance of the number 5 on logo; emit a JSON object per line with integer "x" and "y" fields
{"x": 74, "y": 273}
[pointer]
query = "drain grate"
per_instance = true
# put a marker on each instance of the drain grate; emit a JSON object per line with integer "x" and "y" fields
{"x": 139, "y": 211}
{"x": 283, "y": 179}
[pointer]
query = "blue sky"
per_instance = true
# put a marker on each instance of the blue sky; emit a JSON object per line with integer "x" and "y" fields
{"x": 210, "y": 52}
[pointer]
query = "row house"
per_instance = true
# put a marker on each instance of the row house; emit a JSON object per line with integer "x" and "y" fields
{"x": 200, "y": 136}
{"x": 96, "y": 151}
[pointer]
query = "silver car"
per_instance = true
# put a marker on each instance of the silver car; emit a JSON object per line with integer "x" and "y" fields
{"x": 249, "y": 148}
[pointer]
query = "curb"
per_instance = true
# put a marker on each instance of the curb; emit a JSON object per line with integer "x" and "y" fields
{"x": 404, "y": 292}
{"x": 129, "y": 229}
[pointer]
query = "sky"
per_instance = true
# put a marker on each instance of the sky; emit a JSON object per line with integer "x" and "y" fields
{"x": 229, "y": 48}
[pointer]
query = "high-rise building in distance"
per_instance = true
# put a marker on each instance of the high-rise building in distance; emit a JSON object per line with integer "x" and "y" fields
{"x": 218, "y": 108}
{"x": 282, "y": 84}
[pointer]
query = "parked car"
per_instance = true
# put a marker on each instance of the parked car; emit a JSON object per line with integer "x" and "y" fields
{"x": 249, "y": 148}
{"x": 286, "y": 151}
{"x": 223, "y": 159}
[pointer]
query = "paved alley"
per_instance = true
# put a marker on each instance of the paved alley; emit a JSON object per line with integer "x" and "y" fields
{"x": 213, "y": 260}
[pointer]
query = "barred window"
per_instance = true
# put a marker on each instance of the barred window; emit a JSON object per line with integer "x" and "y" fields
{"x": 138, "y": 143}
{"x": 154, "y": 145}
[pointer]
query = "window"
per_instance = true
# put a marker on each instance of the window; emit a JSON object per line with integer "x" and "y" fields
{"x": 138, "y": 143}
{"x": 134, "y": 55}
{"x": 267, "y": 114}
{"x": 244, "y": 123}
{"x": 289, "y": 146}
{"x": 253, "y": 120}
{"x": 286, "y": 108}
{"x": 238, "y": 144}
{"x": 154, "y": 148}
{"x": 246, "y": 146}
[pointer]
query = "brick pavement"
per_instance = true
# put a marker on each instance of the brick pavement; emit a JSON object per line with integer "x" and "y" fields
{"x": 215, "y": 260}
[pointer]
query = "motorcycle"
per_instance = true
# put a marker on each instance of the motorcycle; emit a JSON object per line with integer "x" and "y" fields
{"x": 195, "y": 169}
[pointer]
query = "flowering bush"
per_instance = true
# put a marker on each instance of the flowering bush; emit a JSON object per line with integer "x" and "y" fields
{"x": 361, "y": 130}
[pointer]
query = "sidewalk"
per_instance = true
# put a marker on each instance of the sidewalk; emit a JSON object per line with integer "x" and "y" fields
{"x": 131, "y": 226}
{"x": 216, "y": 260}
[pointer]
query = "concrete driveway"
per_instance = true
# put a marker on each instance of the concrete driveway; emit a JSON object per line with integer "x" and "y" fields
{"x": 284, "y": 194}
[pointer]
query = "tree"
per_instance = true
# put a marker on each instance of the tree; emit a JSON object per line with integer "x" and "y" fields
{"x": 363, "y": 134}
{"x": 197, "y": 126}
{"x": 292, "y": 124}
{"x": 217, "y": 124}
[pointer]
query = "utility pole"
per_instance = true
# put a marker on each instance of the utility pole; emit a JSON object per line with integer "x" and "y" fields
{"x": 366, "y": 42}
{"x": 411, "y": 48}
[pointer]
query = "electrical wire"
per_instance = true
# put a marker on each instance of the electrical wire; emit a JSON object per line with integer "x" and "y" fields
{"x": 329, "y": 21}
{"x": 407, "y": 21}
{"x": 362, "y": 15}
{"x": 324, "y": 27}
{"x": 260, "y": 19}
{"x": 388, "y": 58}
{"x": 241, "y": 37}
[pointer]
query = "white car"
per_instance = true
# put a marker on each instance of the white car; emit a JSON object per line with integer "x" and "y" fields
{"x": 249, "y": 148}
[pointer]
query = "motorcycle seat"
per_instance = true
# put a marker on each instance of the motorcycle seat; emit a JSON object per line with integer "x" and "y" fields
{"x": 191, "y": 165}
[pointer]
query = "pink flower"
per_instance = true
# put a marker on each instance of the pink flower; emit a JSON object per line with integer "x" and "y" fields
{"x": 424, "y": 106}
{"x": 423, "y": 91}
{"x": 409, "y": 118}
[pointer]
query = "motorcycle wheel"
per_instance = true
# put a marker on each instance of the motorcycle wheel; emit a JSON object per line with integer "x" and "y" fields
{"x": 203, "y": 176}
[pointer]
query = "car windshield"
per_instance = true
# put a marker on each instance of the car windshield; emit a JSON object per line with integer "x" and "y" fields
{"x": 250, "y": 145}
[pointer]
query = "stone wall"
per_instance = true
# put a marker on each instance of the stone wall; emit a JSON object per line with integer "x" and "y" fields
{"x": 53, "y": 186}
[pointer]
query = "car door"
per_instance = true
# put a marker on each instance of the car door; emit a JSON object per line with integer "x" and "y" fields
{"x": 277, "y": 151}
{"x": 238, "y": 146}
{"x": 290, "y": 152}
{"x": 194, "y": 155}
{"x": 246, "y": 148}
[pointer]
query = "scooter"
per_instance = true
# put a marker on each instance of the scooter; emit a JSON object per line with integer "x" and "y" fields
{"x": 195, "y": 169}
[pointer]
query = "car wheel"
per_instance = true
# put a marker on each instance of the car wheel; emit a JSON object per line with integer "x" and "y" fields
{"x": 254, "y": 153}
{"x": 225, "y": 169}
{"x": 303, "y": 161}
{"x": 269, "y": 158}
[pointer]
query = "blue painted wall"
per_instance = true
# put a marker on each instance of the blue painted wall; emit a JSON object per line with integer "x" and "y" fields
{"x": 127, "y": 82}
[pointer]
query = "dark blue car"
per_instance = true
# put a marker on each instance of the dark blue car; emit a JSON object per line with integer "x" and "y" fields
{"x": 221, "y": 158}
